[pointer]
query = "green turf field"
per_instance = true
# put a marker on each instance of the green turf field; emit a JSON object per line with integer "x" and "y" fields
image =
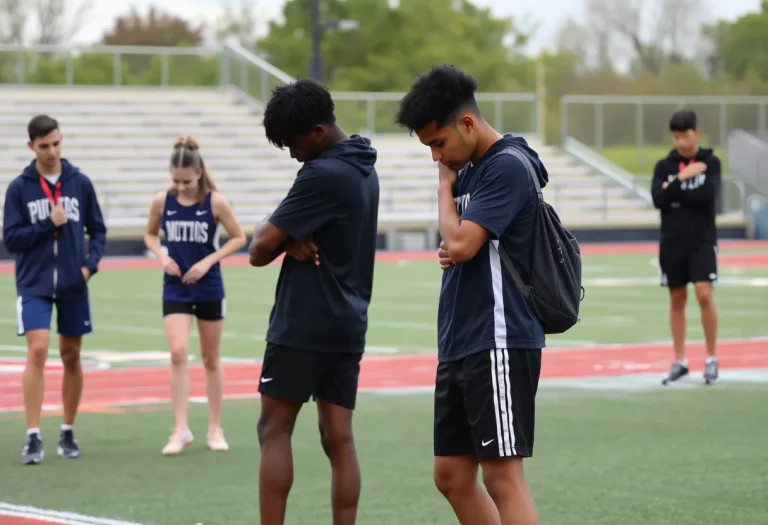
{"x": 608, "y": 455}
{"x": 642, "y": 161}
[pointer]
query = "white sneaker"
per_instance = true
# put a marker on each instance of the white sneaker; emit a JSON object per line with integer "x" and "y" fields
{"x": 179, "y": 440}
{"x": 216, "y": 441}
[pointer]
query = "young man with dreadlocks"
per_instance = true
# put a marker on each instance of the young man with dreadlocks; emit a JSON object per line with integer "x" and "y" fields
{"x": 327, "y": 226}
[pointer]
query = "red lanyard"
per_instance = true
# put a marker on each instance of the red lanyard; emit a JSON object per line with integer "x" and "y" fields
{"x": 52, "y": 198}
{"x": 682, "y": 164}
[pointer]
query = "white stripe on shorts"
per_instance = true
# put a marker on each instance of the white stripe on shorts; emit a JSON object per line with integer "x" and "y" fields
{"x": 502, "y": 402}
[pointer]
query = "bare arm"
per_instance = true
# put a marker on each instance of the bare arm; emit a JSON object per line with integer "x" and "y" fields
{"x": 152, "y": 233}
{"x": 267, "y": 244}
{"x": 223, "y": 211}
{"x": 462, "y": 239}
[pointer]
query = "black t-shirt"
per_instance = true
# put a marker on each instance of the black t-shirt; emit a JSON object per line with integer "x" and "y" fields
{"x": 687, "y": 208}
{"x": 480, "y": 307}
{"x": 335, "y": 200}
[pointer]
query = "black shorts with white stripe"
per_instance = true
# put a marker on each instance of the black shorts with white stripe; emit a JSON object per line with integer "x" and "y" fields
{"x": 485, "y": 404}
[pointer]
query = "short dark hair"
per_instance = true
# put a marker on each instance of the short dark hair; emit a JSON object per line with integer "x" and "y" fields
{"x": 40, "y": 126}
{"x": 437, "y": 96}
{"x": 294, "y": 108}
{"x": 683, "y": 120}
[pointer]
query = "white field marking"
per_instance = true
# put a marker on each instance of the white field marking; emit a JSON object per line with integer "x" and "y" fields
{"x": 381, "y": 349}
{"x": 571, "y": 342}
{"x": 67, "y": 518}
{"x": 610, "y": 320}
{"x": 110, "y": 356}
{"x": 89, "y": 366}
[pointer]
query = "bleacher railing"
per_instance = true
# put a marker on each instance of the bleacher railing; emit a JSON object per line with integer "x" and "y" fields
{"x": 748, "y": 160}
{"x": 230, "y": 66}
{"x": 607, "y": 169}
{"x": 635, "y": 129}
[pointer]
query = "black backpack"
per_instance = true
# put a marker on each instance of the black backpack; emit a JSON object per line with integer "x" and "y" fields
{"x": 555, "y": 292}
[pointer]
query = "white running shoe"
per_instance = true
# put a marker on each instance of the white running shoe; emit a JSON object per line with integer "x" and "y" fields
{"x": 216, "y": 441}
{"x": 179, "y": 440}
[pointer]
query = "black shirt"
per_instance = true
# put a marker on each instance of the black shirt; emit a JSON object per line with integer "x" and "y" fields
{"x": 480, "y": 306}
{"x": 335, "y": 200}
{"x": 688, "y": 207}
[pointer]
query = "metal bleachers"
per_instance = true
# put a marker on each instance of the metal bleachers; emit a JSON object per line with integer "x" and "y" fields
{"x": 122, "y": 139}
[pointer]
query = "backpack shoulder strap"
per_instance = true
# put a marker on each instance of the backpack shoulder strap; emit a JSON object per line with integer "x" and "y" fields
{"x": 528, "y": 167}
{"x": 524, "y": 288}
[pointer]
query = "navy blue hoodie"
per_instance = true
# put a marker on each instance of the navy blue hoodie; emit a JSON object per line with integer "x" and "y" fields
{"x": 48, "y": 266}
{"x": 480, "y": 306}
{"x": 335, "y": 200}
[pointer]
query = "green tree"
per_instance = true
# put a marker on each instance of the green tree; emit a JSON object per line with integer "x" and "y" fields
{"x": 395, "y": 42}
{"x": 741, "y": 46}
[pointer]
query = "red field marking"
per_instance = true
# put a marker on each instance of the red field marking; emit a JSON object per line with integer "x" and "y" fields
{"x": 138, "y": 386}
{"x": 745, "y": 260}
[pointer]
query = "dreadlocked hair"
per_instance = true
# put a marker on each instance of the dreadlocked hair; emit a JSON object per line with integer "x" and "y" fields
{"x": 186, "y": 154}
{"x": 294, "y": 108}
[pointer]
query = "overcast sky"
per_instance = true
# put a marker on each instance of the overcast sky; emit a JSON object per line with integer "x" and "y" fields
{"x": 548, "y": 14}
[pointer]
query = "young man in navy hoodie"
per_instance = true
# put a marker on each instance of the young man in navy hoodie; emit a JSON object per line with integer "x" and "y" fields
{"x": 47, "y": 209}
{"x": 489, "y": 341}
{"x": 327, "y": 226}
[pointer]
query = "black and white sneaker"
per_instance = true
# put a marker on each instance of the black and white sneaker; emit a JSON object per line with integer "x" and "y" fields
{"x": 676, "y": 371}
{"x": 32, "y": 453}
{"x": 68, "y": 447}
{"x": 711, "y": 371}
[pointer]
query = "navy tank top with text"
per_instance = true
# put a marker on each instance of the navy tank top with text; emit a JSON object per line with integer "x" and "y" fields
{"x": 191, "y": 234}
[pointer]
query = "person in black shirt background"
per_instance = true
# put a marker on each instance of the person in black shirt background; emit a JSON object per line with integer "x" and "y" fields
{"x": 684, "y": 188}
{"x": 327, "y": 226}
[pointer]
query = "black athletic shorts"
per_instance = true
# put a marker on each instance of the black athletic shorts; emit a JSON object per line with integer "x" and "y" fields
{"x": 681, "y": 263}
{"x": 205, "y": 310}
{"x": 296, "y": 375}
{"x": 485, "y": 404}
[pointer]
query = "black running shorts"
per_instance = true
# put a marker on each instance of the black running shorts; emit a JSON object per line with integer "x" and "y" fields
{"x": 485, "y": 404}
{"x": 204, "y": 310}
{"x": 296, "y": 375}
{"x": 681, "y": 263}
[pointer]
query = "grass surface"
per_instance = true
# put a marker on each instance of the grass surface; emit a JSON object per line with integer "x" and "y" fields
{"x": 663, "y": 456}
{"x": 126, "y": 307}
{"x": 642, "y": 161}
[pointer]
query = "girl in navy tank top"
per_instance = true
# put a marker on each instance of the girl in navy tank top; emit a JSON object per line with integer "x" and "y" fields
{"x": 190, "y": 214}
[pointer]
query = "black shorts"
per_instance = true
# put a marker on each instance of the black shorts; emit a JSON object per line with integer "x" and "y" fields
{"x": 296, "y": 375}
{"x": 485, "y": 404}
{"x": 204, "y": 310}
{"x": 680, "y": 263}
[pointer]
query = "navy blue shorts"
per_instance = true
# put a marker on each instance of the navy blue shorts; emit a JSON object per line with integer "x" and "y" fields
{"x": 73, "y": 316}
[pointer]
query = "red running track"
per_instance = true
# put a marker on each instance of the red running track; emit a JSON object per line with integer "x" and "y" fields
{"x": 138, "y": 386}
